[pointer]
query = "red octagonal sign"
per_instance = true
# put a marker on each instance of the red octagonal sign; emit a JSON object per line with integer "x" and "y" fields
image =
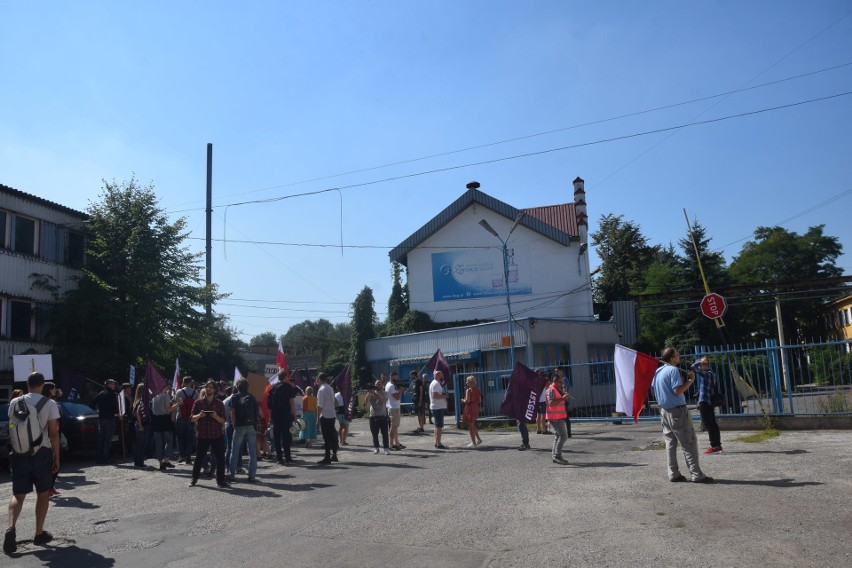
{"x": 713, "y": 306}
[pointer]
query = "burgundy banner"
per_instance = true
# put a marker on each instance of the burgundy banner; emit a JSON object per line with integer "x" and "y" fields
{"x": 521, "y": 399}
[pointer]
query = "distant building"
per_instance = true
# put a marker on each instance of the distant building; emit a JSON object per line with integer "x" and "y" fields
{"x": 838, "y": 318}
{"x": 38, "y": 239}
{"x": 456, "y": 273}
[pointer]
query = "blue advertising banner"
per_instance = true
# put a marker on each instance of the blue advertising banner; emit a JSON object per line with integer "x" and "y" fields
{"x": 464, "y": 275}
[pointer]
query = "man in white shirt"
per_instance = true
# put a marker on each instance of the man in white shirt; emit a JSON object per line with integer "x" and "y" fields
{"x": 438, "y": 404}
{"x": 36, "y": 469}
{"x": 394, "y": 396}
{"x": 326, "y": 418}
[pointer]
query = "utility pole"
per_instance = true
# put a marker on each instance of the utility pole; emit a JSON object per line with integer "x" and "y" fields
{"x": 209, "y": 222}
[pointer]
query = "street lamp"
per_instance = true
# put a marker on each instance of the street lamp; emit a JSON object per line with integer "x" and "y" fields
{"x": 491, "y": 230}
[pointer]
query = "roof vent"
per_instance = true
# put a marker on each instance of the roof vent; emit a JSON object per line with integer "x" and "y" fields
{"x": 473, "y": 185}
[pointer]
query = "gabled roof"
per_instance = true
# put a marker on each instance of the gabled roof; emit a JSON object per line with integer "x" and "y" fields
{"x": 42, "y": 201}
{"x": 553, "y": 222}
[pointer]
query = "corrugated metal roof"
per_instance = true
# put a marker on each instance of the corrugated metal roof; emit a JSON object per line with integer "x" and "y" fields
{"x": 560, "y": 216}
{"x": 42, "y": 201}
{"x": 471, "y": 196}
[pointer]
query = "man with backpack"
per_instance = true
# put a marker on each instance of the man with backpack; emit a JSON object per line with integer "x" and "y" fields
{"x": 34, "y": 435}
{"x": 244, "y": 417}
{"x": 184, "y": 427}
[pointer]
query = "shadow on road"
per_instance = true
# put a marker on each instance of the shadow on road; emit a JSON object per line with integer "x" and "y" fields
{"x": 71, "y": 555}
{"x": 72, "y": 502}
{"x": 781, "y": 483}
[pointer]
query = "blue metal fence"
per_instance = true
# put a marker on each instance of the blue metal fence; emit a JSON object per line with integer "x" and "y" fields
{"x": 810, "y": 379}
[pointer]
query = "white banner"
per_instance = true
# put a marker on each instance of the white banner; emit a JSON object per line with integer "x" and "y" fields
{"x": 25, "y": 365}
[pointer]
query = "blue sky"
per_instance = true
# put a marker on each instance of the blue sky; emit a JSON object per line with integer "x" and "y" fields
{"x": 289, "y": 92}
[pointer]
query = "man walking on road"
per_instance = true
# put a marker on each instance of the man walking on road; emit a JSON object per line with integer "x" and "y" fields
{"x": 326, "y": 417}
{"x": 282, "y": 404}
{"x": 208, "y": 415}
{"x": 37, "y": 468}
{"x": 106, "y": 403}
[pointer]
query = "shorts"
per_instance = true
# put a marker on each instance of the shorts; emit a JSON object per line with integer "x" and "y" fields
{"x": 542, "y": 406}
{"x": 438, "y": 416}
{"x": 394, "y": 414}
{"x": 342, "y": 419}
{"x": 32, "y": 470}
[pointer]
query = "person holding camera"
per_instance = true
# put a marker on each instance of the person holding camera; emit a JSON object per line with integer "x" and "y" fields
{"x": 208, "y": 415}
{"x": 669, "y": 388}
{"x": 377, "y": 402}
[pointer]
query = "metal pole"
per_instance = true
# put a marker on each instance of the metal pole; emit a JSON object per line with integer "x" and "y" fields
{"x": 209, "y": 221}
{"x": 782, "y": 344}
{"x": 508, "y": 304}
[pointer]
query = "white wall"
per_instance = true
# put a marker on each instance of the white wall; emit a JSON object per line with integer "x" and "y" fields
{"x": 559, "y": 275}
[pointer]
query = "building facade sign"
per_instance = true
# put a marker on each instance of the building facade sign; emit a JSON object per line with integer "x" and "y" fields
{"x": 467, "y": 274}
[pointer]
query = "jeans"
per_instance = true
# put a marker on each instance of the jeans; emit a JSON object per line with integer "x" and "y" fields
{"x": 217, "y": 447}
{"x": 106, "y": 428}
{"x": 243, "y": 434}
{"x": 379, "y": 424}
{"x": 282, "y": 436}
{"x": 140, "y": 444}
{"x": 163, "y": 445}
{"x": 560, "y": 431}
{"x": 525, "y": 433}
{"x": 185, "y": 431}
{"x": 329, "y": 436}
{"x": 708, "y": 417}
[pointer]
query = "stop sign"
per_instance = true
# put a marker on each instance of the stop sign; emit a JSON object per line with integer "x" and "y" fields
{"x": 713, "y": 306}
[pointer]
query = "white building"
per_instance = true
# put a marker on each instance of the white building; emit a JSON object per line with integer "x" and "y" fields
{"x": 39, "y": 239}
{"x": 456, "y": 273}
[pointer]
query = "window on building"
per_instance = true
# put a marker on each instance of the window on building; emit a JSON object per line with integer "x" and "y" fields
{"x": 75, "y": 253}
{"x": 601, "y": 368}
{"x": 25, "y": 235}
{"x": 20, "y": 320}
{"x": 3, "y": 239}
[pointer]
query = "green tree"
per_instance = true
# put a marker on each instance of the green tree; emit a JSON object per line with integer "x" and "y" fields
{"x": 625, "y": 256}
{"x": 321, "y": 339}
{"x": 398, "y": 300}
{"x": 265, "y": 339}
{"x": 141, "y": 292}
{"x": 364, "y": 322}
{"x": 775, "y": 260}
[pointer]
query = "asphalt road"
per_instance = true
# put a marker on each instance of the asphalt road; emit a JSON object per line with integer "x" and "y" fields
{"x": 785, "y": 502}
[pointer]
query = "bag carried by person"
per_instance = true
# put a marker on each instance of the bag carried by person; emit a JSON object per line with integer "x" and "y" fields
{"x": 245, "y": 410}
{"x": 186, "y": 404}
{"x": 25, "y": 431}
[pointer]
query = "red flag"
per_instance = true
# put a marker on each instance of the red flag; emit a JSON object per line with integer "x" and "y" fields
{"x": 281, "y": 359}
{"x": 634, "y": 373}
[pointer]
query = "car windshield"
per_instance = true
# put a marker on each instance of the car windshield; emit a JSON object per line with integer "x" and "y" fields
{"x": 4, "y": 411}
{"x": 74, "y": 409}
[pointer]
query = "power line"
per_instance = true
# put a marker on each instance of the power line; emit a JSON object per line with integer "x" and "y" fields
{"x": 544, "y": 133}
{"x": 543, "y": 152}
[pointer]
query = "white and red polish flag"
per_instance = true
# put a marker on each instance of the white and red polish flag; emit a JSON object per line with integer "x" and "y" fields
{"x": 634, "y": 372}
{"x": 176, "y": 380}
{"x": 281, "y": 359}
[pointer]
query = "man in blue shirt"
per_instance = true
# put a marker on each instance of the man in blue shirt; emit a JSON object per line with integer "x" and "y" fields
{"x": 669, "y": 388}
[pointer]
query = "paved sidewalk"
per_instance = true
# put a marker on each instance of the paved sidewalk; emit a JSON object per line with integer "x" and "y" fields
{"x": 783, "y": 503}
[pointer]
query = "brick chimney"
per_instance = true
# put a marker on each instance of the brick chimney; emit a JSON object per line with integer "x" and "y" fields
{"x": 580, "y": 210}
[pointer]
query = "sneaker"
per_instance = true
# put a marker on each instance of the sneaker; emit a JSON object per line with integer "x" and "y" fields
{"x": 441, "y": 446}
{"x": 181, "y": 460}
{"x": 169, "y": 464}
{"x": 400, "y": 447}
{"x": 252, "y": 480}
{"x": 193, "y": 482}
{"x": 162, "y": 467}
{"x": 241, "y": 470}
{"x": 712, "y": 450}
{"x": 523, "y": 447}
{"x": 187, "y": 461}
{"x": 324, "y": 461}
{"x": 52, "y": 492}
{"x": 680, "y": 478}
{"x": 375, "y": 450}
{"x": 387, "y": 451}
{"x": 471, "y": 445}
{"x": 224, "y": 485}
{"x": 9, "y": 544}
{"x": 560, "y": 461}
{"x": 705, "y": 479}
{"x": 42, "y": 539}
{"x": 334, "y": 458}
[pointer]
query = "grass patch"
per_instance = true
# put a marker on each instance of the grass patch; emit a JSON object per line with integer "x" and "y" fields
{"x": 759, "y": 437}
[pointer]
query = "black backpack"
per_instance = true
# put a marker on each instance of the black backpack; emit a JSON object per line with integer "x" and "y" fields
{"x": 245, "y": 410}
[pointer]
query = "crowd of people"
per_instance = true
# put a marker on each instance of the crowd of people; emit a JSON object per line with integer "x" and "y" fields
{"x": 218, "y": 426}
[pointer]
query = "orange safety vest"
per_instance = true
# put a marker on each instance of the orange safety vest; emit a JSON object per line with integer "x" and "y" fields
{"x": 556, "y": 410}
